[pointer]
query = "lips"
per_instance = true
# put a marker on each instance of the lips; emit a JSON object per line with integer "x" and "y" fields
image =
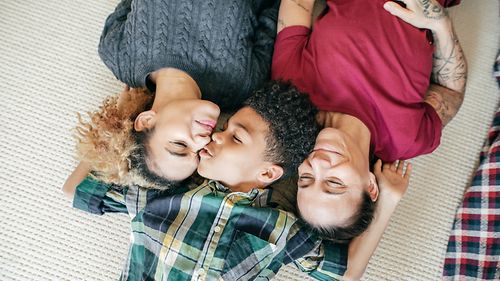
{"x": 208, "y": 123}
{"x": 207, "y": 127}
{"x": 327, "y": 148}
{"x": 205, "y": 153}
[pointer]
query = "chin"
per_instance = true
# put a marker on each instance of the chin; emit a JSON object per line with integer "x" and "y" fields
{"x": 203, "y": 171}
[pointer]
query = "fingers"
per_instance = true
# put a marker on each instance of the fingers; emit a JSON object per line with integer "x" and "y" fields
{"x": 398, "y": 11}
{"x": 408, "y": 171}
{"x": 401, "y": 165}
{"x": 394, "y": 166}
{"x": 377, "y": 169}
{"x": 397, "y": 167}
{"x": 386, "y": 166}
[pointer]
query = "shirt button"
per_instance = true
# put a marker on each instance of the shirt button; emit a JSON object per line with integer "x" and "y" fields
{"x": 217, "y": 229}
{"x": 201, "y": 271}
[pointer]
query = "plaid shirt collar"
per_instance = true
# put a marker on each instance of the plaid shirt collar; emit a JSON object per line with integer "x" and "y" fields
{"x": 245, "y": 198}
{"x": 207, "y": 232}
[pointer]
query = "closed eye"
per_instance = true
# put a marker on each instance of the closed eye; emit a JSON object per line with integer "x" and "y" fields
{"x": 335, "y": 184}
{"x": 305, "y": 181}
{"x": 179, "y": 144}
{"x": 236, "y": 139}
{"x": 177, "y": 148}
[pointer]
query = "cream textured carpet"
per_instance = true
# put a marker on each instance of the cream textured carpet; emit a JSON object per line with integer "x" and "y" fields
{"x": 49, "y": 70}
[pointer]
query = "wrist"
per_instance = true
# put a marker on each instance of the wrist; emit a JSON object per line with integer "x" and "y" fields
{"x": 390, "y": 199}
{"x": 442, "y": 26}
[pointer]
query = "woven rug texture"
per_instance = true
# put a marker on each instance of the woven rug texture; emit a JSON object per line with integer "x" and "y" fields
{"x": 49, "y": 70}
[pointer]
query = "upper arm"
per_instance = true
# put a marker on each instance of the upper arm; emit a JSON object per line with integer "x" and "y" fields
{"x": 295, "y": 12}
{"x": 287, "y": 61}
{"x": 446, "y": 102}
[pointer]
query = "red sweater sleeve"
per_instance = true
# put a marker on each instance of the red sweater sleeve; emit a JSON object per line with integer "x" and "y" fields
{"x": 288, "y": 50}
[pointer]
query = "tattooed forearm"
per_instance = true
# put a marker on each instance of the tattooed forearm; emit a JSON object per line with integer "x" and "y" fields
{"x": 432, "y": 10}
{"x": 295, "y": 12}
{"x": 449, "y": 65}
{"x": 446, "y": 102}
{"x": 298, "y": 3}
{"x": 449, "y": 71}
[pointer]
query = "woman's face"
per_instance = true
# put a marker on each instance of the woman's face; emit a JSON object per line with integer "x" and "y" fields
{"x": 181, "y": 129}
{"x": 332, "y": 179}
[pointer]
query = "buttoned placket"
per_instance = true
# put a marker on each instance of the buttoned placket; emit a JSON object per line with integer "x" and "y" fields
{"x": 201, "y": 271}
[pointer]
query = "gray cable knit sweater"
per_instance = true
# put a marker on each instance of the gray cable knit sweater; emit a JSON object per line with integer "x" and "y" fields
{"x": 225, "y": 45}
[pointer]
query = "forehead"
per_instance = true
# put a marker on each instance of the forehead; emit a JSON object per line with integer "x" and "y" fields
{"x": 249, "y": 120}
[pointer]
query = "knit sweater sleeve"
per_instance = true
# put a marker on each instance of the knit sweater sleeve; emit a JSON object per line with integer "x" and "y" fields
{"x": 112, "y": 43}
{"x": 265, "y": 35}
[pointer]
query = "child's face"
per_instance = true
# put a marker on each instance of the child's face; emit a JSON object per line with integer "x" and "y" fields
{"x": 181, "y": 129}
{"x": 332, "y": 179}
{"x": 236, "y": 154}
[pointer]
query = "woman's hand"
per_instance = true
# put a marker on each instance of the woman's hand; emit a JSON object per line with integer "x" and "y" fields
{"x": 392, "y": 179}
{"x": 427, "y": 14}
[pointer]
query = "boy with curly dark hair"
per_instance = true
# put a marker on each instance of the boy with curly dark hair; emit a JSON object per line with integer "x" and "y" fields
{"x": 266, "y": 139}
{"x": 229, "y": 226}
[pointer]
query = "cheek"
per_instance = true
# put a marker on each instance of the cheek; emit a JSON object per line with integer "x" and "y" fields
{"x": 168, "y": 130}
{"x": 303, "y": 201}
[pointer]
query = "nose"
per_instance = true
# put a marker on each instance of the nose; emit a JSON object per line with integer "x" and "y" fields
{"x": 199, "y": 141}
{"x": 217, "y": 137}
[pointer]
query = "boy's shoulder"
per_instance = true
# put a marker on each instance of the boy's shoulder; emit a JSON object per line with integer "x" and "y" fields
{"x": 283, "y": 195}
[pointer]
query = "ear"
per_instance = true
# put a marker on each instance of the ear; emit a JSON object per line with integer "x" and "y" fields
{"x": 270, "y": 174}
{"x": 145, "y": 120}
{"x": 373, "y": 188}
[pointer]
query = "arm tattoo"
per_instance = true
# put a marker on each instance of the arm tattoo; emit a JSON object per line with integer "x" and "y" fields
{"x": 431, "y": 10}
{"x": 449, "y": 69}
{"x": 300, "y": 5}
{"x": 446, "y": 102}
{"x": 449, "y": 66}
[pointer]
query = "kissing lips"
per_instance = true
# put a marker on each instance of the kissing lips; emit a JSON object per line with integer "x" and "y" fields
{"x": 205, "y": 153}
{"x": 208, "y": 125}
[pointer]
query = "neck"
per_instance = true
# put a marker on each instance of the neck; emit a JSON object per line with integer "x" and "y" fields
{"x": 242, "y": 187}
{"x": 350, "y": 125}
{"x": 173, "y": 84}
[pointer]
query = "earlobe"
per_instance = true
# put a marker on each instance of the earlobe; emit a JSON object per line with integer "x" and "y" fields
{"x": 270, "y": 174}
{"x": 373, "y": 189}
{"x": 145, "y": 120}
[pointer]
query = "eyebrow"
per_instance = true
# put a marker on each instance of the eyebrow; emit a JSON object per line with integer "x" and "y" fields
{"x": 242, "y": 127}
{"x": 324, "y": 190}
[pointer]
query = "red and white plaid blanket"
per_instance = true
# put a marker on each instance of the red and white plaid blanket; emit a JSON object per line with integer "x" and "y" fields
{"x": 473, "y": 251}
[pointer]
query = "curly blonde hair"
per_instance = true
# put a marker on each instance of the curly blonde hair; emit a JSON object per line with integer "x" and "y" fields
{"x": 106, "y": 141}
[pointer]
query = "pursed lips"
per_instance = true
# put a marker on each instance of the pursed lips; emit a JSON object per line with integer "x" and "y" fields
{"x": 207, "y": 124}
{"x": 327, "y": 151}
{"x": 206, "y": 152}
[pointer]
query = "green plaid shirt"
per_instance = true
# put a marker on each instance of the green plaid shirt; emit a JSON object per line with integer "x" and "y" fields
{"x": 207, "y": 232}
